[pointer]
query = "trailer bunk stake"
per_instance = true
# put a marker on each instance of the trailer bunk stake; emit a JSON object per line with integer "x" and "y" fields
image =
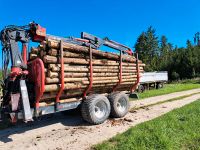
{"x": 91, "y": 74}
{"x": 61, "y": 76}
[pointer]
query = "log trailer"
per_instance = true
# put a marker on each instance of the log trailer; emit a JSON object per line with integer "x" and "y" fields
{"x": 27, "y": 88}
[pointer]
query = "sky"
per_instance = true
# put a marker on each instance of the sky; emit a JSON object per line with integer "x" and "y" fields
{"x": 120, "y": 20}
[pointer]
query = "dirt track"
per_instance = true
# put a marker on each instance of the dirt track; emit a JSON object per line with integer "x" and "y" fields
{"x": 71, "y": 132}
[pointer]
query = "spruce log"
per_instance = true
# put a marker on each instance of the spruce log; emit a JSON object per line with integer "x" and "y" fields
{"x": 71, "y": 69}
{"x": 86, "y": 70}
{"x": 32, "y": 56}
{"x": 65, "y": 94}
{"x": 52, "y": 59}
{"x": 54, "y": 52}
{"x": 67, "y": 68}
{"x": 74, "y": 74}
{"x": 42, "y": 53}
{"x": 94, "y": 66}
{"x": 95, "y": 79}
{"x": 79, "y": 92}
{"x": 76, "y": 48}
{"x": 70, "y": 86}
{"x": 34, "y": 50}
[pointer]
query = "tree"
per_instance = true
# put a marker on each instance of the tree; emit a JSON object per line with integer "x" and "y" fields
{"x": 148, "y": 49}
{"x": 181, "y": 63}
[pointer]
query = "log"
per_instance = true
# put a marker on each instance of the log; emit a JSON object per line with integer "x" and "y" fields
{"x": 95, "y": 79}
{"x": 54, "y": 52}
{"x": 55, "y": 60}
{"x": 52, "y": 59}
{"x": 71, "y": 69}
{"x": 65, "y": 94}
{"x": 32, "y": 56}
{"x": 34, "y": 50}
{"x": 79, "y": 93}
{"x": 56, "y": 67}
{"x": 76, "y": 48}
{"x": 74, "y": 74}
{"x": 70, "y": 86}
{"x": 50, "y": 66}
{"x": 86, "y": 70}
{"x": 42, "y": 53}
{"x": 67, "y": 68}
{"x": 109, "y": 81}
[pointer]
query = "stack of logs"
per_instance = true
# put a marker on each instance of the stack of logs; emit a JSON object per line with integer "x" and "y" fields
{"x": 106, "y": 69}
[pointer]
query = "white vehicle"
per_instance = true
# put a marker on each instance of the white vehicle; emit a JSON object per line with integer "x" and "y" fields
{"x": 152, "y": 79}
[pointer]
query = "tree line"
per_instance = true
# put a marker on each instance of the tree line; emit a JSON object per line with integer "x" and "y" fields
{"x": 160, "y": 55}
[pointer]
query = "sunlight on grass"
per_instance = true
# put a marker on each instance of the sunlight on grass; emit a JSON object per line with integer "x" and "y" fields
{"x": 169, "y": 88}
{"x": 178, "y": 129}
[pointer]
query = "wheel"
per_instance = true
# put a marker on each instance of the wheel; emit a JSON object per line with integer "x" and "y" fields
{"x": 95, "y": 109}
{"x": 140, "y": 89}
{"x": 159, "y": 85}
{"x": 119, "y": 103}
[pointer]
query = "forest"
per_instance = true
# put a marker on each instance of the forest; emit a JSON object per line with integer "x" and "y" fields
{"x": 160, "y": 55}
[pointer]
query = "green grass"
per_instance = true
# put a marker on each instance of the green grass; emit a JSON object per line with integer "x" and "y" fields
{"x": 179, "y": 129}
{"x": 161, "y": 102}
{"x": 169, "y": 88}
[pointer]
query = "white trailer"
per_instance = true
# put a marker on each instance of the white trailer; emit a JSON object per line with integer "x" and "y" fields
{"x": 152, "y": 80}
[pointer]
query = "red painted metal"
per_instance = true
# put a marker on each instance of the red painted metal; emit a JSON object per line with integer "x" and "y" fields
{"x": 13, "y": 117}
{"x": 129, "y": 52}
{"x": 120, "y": 73}
{"x": 15, "y": 71}
{"x": 37, "y": 76}
{"x": 138, "y": 75}
{"x": 91, "y": 75}
{"x": 24, "y": 52}
{"x": 38, "y": 32}
{"x": 62, "y": 73}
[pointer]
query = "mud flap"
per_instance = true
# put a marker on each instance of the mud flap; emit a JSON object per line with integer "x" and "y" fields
{"x": 25, "y": 102}
{"x": 134, "y": 95}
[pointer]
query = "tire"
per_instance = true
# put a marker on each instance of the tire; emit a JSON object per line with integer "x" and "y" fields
{"x": 95, "y": 109}
{"x": 159, "y": 85}
{"x": 119, "y": 103}
{"x": 141, "y": 89}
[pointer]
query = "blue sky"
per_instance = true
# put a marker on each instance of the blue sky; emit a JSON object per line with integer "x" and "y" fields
{"x": 120, "y": 20}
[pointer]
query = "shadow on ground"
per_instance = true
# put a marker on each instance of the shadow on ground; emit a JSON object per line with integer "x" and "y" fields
{"x": 72, "y": 118}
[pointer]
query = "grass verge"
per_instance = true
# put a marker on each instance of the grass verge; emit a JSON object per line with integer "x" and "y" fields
{"x": 161, "y": 102}
{"x": 168, "y": 88}
{"x": 178, "y": 129}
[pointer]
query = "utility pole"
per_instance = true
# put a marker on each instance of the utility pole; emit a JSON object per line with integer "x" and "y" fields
{"x": 197, "y": 38}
